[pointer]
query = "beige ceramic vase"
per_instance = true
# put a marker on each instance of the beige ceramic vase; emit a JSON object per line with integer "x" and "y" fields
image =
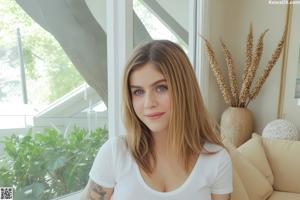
{"x": 236, "y": 125}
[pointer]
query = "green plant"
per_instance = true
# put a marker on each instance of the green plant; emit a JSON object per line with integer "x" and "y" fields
{"x": 47, "y": 165}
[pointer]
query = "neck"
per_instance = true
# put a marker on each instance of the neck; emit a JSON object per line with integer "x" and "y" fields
{"x": 160, "y": 142}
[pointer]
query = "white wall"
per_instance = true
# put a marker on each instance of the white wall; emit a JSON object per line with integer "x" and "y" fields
{"x": 291, "y": 111}
{"x": 230, "y": 20}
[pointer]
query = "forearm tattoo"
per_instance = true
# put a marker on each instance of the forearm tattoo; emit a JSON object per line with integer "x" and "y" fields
{"x": 96, "y": 192}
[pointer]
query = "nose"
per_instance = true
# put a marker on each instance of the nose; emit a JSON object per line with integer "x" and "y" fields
{"x": 150, "y": 100}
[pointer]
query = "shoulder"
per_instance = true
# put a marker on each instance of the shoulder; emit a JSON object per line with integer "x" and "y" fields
{"x": 121, "y": 156}
{"x": 113, "y": 150}
{"x": 210, "y": 147}
{"x": 220, "y": 153}
{"x": 113, "y": 158}
{"x": 119, "y": 149}
{"x": 116, "y": 145}
{"x": 115, "y": 142}
{"x": 221, "y": 170}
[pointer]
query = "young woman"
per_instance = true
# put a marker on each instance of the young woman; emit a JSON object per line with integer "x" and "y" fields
{"x": 170, "y": 150}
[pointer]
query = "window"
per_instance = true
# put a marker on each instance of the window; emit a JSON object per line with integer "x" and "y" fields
{"x": 55, "y": 124}
{"x": 160, "y": 24}
{"x": 52, "y": 121}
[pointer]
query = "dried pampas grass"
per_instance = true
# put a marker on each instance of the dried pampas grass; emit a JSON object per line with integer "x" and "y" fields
{"x": 252, "y": 70}
{"x": 249, "y": 47}
{"x": 267, "y": 70}
{"x": 217, "y": 72}
{"x": 242, "y": 99}
{"x": 231, "y": 75}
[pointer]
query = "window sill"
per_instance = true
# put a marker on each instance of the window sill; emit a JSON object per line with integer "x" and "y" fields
{"x": 71, "y": 196}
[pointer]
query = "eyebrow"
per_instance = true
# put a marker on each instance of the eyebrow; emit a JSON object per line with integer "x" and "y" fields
{"x": 153, "y": 84}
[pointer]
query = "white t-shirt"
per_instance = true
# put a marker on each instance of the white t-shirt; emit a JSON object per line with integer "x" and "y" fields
{"x": 114, "y": 167}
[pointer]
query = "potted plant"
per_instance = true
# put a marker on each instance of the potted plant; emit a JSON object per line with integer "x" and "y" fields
{"x": 237, "y": 121}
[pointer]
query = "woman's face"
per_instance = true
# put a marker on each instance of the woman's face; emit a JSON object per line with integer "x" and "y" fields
{"x": 151, "y": 97}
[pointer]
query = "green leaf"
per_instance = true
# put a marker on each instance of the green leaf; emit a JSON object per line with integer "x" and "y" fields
{"x": 30, "y": 192}
{"x": 57, "y": 163}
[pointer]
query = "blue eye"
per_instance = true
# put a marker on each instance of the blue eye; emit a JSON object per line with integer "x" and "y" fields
{"x": 138, "y": 92}
{"x": 162, "y": 88}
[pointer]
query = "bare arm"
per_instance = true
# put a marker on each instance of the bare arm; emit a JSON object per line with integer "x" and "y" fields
{"x": 93, "y": 191}
{"x": 220, "y": 196}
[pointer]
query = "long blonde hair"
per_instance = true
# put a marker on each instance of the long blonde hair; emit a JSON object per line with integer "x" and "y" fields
{"x": 189, "y": 127}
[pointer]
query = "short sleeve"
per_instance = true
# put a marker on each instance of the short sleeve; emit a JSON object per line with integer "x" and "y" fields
{"x": 223, "y": 180}
{"x": 102, "y": 171}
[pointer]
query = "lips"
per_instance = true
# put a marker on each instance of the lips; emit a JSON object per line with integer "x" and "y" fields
{"x": 155, "y": 115}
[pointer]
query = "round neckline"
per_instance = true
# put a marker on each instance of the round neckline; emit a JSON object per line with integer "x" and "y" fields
{"x": 169, "y": 193}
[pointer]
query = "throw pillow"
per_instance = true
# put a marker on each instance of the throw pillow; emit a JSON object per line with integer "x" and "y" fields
{"x": 256, "y": 185}
{"x": 239, "y": 191}
{"x": 253, "y": 151}
{"x": 283, "y": 156}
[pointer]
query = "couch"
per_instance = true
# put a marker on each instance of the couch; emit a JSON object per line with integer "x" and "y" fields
{"x": 265, "y": 169}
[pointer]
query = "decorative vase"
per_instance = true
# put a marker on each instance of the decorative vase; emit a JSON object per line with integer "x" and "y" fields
{"x": 236, "y": 125}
